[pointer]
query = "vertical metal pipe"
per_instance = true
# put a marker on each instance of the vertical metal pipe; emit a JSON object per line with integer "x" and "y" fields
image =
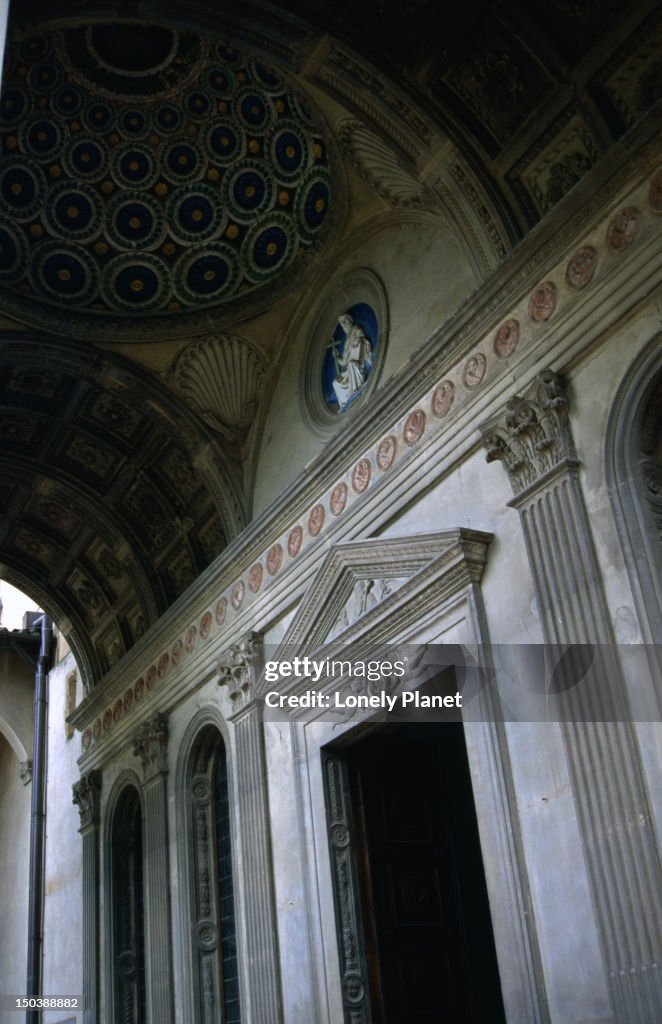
{"x": 38, "y": 818}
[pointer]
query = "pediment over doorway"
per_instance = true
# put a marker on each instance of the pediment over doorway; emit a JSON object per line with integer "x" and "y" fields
{"x": 377, "y": 589}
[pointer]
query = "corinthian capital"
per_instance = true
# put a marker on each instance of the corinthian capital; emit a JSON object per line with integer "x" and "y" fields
{"x": 150, "y": 744}
{"x": 532, "y": 435}
{"x": 239, "y": 669}
{"x": 86, "y": 793}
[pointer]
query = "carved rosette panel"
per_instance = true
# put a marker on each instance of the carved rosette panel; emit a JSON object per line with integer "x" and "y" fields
{"x": 354, "y": 978}
{"x": 533, "y": 435}
{"x": 86, "y": 795}
{"x": 223, "y": 379}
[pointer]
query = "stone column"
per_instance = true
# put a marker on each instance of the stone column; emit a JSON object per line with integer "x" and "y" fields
{"x": 533, "y": 440}
{"x": 239, "y": 669}
{"x": 86, "y": 795}
{"x": 151, "y": 746}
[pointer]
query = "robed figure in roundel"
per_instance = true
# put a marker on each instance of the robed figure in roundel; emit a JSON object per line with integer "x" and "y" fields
{"x": 353, "y": 363}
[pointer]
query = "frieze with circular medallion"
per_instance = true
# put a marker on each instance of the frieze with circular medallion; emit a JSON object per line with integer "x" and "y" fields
{"x": 255, "y": 575}
{"x": 543, "y": 302}
{"x": 274, "y": 559}
{"x": 316, "y": 520}
{"x": 361, "y": 476}
{"x": 581, "y": 268}
{"x": 237, "y": 595}
{"x": 386, "y": 450}
{"x": 414, "y": 427}
{"x": 338, "y": 498}
{"x": 294, "y": 541}
{"x": 623, "y": 229}
{"x": 221, "y": 610}
{"x": 506, "y": 339}
{"x": 474, "y": 370}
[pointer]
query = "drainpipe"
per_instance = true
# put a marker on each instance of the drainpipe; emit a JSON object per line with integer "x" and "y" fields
{"x": 38, "y": 817}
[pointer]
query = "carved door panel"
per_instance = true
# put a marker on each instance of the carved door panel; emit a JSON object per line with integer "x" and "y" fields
{"x": 129, "y": 938}
{"x": 428, "y": 950}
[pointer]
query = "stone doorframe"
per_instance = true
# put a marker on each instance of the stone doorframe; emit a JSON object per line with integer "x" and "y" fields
{"x": 434, "y": 596}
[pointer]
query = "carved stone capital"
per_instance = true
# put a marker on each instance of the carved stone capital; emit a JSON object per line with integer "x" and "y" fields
{"x": 25, "y": 771}
{"x": 532, "y": 436}
{"x": 150, "y": 744}
{"x": 86, "y": 793}
{"x": 239, "y": 669}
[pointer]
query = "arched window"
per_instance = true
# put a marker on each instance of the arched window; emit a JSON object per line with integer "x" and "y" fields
{"x": 634, "y": 480}
{"x": 128, "y": 939}
{"x": 216, "y": 978}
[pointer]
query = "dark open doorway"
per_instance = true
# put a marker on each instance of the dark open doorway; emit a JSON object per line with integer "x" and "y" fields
{"x": 425, "y": 944}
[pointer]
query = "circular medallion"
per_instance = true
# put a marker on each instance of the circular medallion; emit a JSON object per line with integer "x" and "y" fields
{"x": 176, "y": 653}
{"x": 64, "y": 273}
{"x": 268, "y": 247}
{"x": 150, "y": 677}
{"x": 134, "y": 166}
{"x": 386, "y": 450}
{"x": 139, "y": 284}
{"x": 206, "y": 274}
{"x": 190, "y": 638}
{"x": 338, "y": 499}
{"x": 581, "y": 268}
{"x": 139, "y": 689}
{"x": 107, "y": 719}
{"x": 253, "y": 110}
{"x": 506, "y": 339}
{"x": 86, "y": 158}
{"x": 543, "y": 302}
{"x": 414, "y": 427}
{"x": 265, "y": 78}
{"x": 316, "y": 520}
{"x": 248, "y": 191}
{"x": 164, "y": 662}
{"x": 623, "y": 228}
{"x": 289, "y": 150}
{"x": 13, "y": 253}
{"x": 44, "y": 78}
{"x": 255, "y": 574}
{"x": 237, "y": 595}
{"x": 135, "y": 221}
{"x": 474, "y": 370}
{"x": 195, "y": 213}
{"x": 128, "y": 700}
{"x": 167, "y": 118}
{"x": 34, "y": 48}
{"x": 41, "y": 138}
{"x": 15, "y": 106}
{"x": 98, "y": 117}
{"x": 22, "y": 188}
{"x": 117, "y": 710}
{"x": 312, "y": 203}
{"x": 221, "y": 81}
{"x": 197, "y": 105}
{"x": 68, "y": 101}
{"x": 221, "y": 610}
{"x": 225, "y": 142}
{"x": 361, "y": 475}
{"x": 443, "y": 397}
{"x": 294, "y": 541}
{"x": 74, "y": 212}
{"x": 205, "y": 625}
{"x": 274, "y": 559}
{"x": 134, "y": 123}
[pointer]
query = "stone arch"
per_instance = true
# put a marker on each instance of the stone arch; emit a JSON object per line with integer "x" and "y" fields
{"x": 634, "y": 482}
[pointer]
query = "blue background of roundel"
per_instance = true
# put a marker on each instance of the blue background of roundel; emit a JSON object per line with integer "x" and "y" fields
{"x": 361, "y": 313}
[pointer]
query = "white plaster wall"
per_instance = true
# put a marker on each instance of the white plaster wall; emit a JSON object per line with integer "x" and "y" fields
{"x": 426, "y": 276}
{"x": 63, "y": 927}
{"x": 14, "y": 865}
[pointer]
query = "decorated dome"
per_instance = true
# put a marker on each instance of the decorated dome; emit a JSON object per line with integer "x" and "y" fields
{"x": 147, "y": 171}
